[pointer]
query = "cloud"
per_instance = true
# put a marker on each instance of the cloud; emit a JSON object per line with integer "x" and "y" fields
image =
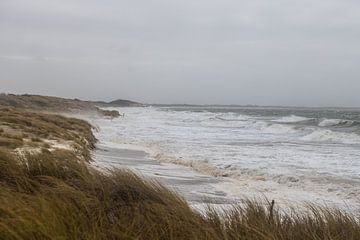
{"x": 255, "y": 52}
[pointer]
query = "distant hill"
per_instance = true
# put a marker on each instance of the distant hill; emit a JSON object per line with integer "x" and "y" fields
{"x": 124, "y": 103}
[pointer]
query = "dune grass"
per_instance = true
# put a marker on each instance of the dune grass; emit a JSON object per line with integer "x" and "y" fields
{"x": 56, "y": 194}
{"x": 54, "y": 104}
{"x": 22, "y": 128}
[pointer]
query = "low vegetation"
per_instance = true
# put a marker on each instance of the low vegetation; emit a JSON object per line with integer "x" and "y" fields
{"x": 22, "y": 129}
{"x": 54, "y": 104}
{"x": 54, "y": 193}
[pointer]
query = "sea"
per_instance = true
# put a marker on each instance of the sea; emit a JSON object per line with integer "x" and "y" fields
{"x": 312, "y": 154}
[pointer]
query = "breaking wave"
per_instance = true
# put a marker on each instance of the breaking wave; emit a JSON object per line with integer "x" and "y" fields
{"x": 302, "y": 150}
{"x": 338, "y": 123}
{"x": 326, "y": 135}
{"x": 293, "y": 119}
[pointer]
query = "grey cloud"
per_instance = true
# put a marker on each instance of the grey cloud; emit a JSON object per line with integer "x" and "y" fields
{"x": 244, "y": 52}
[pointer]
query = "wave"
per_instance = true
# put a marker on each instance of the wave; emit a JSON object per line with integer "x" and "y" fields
{"x": 279, "y": 129}
{"x": 293, "y": 119}
{"x": 337, "y": 123}
{"x": 245, "y": 122}
{"x": 199, "y": 166}
{"x": 234, "y": 172}
{"x": 326, "y": 135}
{"x": 236, "y": 119}
{"x": 317, "y": 122}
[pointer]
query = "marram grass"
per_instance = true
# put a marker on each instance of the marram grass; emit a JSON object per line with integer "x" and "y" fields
{"x": 56, "y": 195}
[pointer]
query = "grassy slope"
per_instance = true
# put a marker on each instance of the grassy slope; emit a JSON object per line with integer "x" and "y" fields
{"x": 56, "y": 194}
{"x": 21, "y": 130}
{"x": 53, "y": 104}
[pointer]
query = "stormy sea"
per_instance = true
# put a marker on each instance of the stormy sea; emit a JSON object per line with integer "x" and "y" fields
{"x": 228, "y": 153}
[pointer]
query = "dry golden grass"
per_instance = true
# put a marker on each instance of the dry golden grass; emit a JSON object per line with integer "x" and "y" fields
{"x": 58, "y": 195}
{"x": 22, "y": 128}
{"x": 9, "y": 142}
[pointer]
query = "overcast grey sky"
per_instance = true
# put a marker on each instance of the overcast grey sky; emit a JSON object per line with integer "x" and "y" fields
{"x": 283, "y": 52}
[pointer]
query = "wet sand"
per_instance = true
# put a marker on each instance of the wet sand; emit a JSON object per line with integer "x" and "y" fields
{"x": 195, "y": 187}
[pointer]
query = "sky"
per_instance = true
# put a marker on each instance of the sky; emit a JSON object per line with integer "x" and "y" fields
{"x": 284, "y": 52}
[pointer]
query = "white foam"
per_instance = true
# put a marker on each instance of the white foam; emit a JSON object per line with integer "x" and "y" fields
{"x": 334, "y": 122}
{"x": 241, "y": 147}
{"x": 326, "y": 135}
{"x": 292, "y": 119}
{"x": 279, "y": 129}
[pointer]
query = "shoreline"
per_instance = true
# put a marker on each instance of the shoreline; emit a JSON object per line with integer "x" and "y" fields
{"x": 321, "y": 188}
{"x": 195, "y": 187}
{"x": 205, "y": 188}
{"x": 235, "y": 187}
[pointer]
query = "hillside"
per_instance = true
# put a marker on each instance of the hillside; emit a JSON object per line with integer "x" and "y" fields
{"x": 124, "y": 103}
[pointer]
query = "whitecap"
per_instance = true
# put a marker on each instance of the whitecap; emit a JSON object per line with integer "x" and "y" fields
{"x": 326, "y": 135}
{"x": 292, "y": 119}
{"x": 335, "y": 122}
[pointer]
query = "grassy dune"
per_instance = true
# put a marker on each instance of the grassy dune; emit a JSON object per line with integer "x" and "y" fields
{"x": 54, "y": 193}
{"x": 21, "y": 130}
{"x": 54, "y": 104}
